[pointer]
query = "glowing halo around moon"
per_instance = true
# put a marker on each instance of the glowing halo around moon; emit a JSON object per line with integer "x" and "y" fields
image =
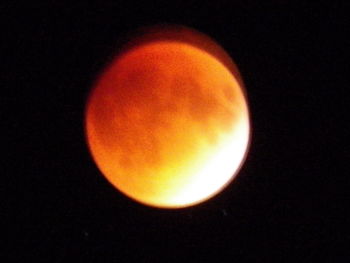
{"x": 167, "y": 121}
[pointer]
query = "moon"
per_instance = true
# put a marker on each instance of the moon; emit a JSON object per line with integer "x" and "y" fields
{"x": 167, "y": 121}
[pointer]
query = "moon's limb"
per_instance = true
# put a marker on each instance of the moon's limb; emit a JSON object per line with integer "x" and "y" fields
{"x": 167, "y": 124}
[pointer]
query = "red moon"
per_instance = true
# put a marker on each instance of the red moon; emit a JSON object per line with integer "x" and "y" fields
{"x": 167, "y": 121}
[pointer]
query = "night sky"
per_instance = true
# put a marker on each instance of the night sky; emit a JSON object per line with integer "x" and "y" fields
{"x": 288, "y": 202}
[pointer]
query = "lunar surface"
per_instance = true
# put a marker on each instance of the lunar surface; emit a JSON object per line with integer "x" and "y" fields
{"x": 167, "y": 121}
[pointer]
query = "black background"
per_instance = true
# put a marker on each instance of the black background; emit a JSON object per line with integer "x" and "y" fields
{"x": 288, "y": 202}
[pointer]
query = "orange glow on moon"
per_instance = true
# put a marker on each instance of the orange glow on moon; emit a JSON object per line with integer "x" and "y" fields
{"x": 167, "y": 121}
